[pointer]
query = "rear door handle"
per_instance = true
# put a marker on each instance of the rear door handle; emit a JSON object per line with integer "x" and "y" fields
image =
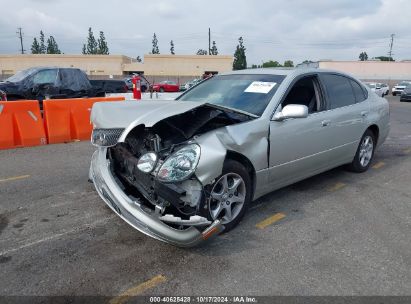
{"x": 325, "y": 123}
{"x": 364, "y": 113}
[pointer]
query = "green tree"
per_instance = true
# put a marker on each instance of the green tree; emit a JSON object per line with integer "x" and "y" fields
{"x": 363, "y": 56}
{"x": 35, "y": 47}
{"x": 240, "y": 59}
{"x": 214, "y": 50}
{"x": 288, "y": 64}
{"x": 84, "y": 50}
{"x": 384, "y": 58}
{"x": 172, "y": 48}
{"x": 52, "y": 47}
{"x": 102, "y": 47}
{"x": 155, "y": 49}
{"x": 202, "y": 52}
{"x": 91, "y": 46}
{"x": 42, "y": 43}
{"x": 271, "y": 64}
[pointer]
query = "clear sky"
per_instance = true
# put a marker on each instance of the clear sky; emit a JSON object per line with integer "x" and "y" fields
{"x": 272, "y": 30}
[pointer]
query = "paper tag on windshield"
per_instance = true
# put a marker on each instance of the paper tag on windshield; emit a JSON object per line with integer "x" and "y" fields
{"x": 260, "y": 87}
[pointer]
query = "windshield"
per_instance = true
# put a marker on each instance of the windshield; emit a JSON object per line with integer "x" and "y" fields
{"x": 248, "y": 93}
{"x": 19, "y": 76}
{"x": 404, "y": 84}
{"x": 371, "y": 85}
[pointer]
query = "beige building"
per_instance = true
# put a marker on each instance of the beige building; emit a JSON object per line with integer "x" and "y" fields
{"x": 371, "y": 70}
{"x": 96, "y": 66}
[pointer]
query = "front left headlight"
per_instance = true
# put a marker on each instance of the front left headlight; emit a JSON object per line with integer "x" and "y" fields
{"x": 180, "y": 165}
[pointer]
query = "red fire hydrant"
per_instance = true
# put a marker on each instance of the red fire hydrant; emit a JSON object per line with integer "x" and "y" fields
{"x": 136, "y": 87}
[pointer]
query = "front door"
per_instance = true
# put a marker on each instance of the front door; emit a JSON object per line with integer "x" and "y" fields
{"x": 300, "y": 147}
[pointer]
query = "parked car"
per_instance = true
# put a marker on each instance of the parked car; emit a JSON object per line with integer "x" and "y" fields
{"x": 189, "y": 84}
{"x": 181, "y": 171}
{"x": 144, "y": 84}
{"x": 166, "y": 86}
{"x": 376, "y": 87}
{"x": 109, "y": 86}
{"x": 385, "y": 88}
{"x": 406, "y": 94}
{"x": 397, "y": 89}
{"x": 41, "y": 82}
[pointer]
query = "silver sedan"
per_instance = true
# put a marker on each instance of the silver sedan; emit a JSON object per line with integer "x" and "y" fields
{"x": 182, "y": 171}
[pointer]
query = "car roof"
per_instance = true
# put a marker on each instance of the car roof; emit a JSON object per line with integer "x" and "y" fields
{"x": 293, "y": 72}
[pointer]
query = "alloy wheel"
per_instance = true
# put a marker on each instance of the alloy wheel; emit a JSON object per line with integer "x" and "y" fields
{"x": 227, "y": 197}
{"x": 366, "y": 150}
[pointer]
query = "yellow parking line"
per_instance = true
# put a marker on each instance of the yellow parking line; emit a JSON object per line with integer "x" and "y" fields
{"x": 271, "y": 220}
{"x": 14, "y": 178}
{"x": 407, "y": 151}
{"x": 137, "y": 290}
{"x": 336, "y": 187}
{"x": 378, "y": 165}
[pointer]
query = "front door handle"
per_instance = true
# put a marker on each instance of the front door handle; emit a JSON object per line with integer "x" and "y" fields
{"x": 325, "y": 123}
{"x": 364, "y": 113}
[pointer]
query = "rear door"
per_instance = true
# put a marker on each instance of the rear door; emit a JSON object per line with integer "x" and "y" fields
{"x": 348, "y": 109}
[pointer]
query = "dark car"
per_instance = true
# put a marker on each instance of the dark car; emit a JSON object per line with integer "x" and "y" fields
{"x": 406, "y": 94}
{"x": 39, "y": 83}
{"x": 53, "y": 82}
{"x": 102, "y": 87}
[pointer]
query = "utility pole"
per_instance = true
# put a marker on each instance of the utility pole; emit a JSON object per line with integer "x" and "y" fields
{"x": 21, "y": 39}
{"x": 391, "y": 45}
{"x": 209, "y": 41}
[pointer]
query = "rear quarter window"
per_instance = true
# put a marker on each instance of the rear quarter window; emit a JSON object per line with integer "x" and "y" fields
{"x": 339, "y": 90}
{"x": 359, "y": 92}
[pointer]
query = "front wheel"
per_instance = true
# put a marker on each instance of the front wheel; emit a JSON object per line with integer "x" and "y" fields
{"x": 161, "y": 90}
{"x": 365, "y": 153}
{"x": 230, "y": 195}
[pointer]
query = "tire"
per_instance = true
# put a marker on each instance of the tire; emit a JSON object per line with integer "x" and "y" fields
{"x": 236, "y": 200}
{"x": 365, "y": 153}
{"x": 393, "y": 94}
{"x": 161, "y": 90}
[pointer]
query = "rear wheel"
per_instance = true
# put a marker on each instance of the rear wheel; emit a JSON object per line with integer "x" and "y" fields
{"x": 365, "y": 153}
{"x": 230, "y": 195}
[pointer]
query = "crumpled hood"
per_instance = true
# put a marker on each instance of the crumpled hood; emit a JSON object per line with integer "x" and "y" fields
{"x": 129, "y": 114}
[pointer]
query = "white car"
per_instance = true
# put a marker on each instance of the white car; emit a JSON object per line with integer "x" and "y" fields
{"x": 384, "y": 88}
{"x": 400, "y": 87}
{"x": 376, "y": 87}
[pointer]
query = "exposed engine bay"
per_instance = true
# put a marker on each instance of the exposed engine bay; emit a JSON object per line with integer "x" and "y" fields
{"x": 181, "y": 203}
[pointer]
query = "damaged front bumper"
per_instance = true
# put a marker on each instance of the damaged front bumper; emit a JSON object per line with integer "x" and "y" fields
{"x": 133, "y": 213}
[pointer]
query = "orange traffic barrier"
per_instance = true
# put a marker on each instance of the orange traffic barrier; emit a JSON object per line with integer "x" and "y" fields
{"x": 69, "y": 119}
{"x": 21, "y": 124}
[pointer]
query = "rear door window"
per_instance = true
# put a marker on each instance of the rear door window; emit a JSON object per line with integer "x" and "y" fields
{"x": 339, "y": 90}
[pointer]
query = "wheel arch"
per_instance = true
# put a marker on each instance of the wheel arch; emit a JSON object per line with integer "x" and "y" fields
{"x": 232, "y": 155}
{"x": 376, "y": 131}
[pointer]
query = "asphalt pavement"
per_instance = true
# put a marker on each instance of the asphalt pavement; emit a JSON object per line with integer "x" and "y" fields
{"x": 338, "y": 233}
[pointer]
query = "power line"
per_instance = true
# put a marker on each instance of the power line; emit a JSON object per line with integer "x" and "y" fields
{"x": 209, "y": 41}
{"x": 21, "y": 39}
{"x": 391, "y": 45}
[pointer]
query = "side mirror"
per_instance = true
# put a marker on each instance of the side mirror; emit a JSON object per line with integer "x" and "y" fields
{"x": 291, "y": 111}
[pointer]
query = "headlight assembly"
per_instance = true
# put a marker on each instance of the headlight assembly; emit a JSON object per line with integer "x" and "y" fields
{"x": 147, "y": 162}
{"x": 180, "y": 165}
